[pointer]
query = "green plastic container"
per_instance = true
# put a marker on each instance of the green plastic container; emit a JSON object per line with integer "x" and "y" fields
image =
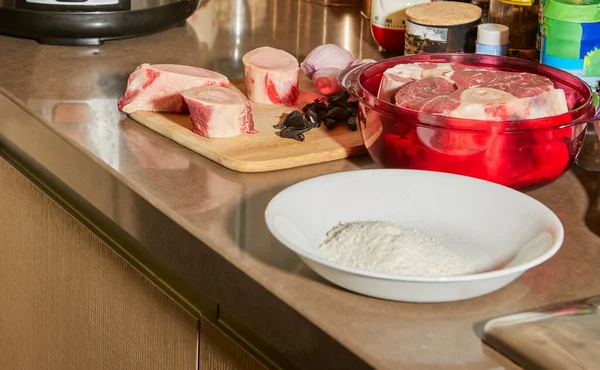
{"x": 571, "y": 38}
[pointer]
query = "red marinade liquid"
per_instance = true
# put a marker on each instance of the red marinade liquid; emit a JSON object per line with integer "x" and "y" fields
{"x": 389, "y": 39}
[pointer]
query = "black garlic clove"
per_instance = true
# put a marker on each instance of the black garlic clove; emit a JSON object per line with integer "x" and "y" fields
{"x": 329, "y": 123}
{"x": 319, "y": 104}
{"x": 293, "y": 114}
{"x": 321, "y": 113}
{"x": 338, "y": 113}
{"x": 288, "y": 133}
{"x": 287, "y": 118}
{"x": 353, "y": 110}
{"x": 339, "y": 99}
{"x": 279, "y": 125}
{"x": 313, "y": 118}
{"x": 296, "y": 120}
{"x": 352, "y": 123}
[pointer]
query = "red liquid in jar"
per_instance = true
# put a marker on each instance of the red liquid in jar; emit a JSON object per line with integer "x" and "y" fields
{"x": 389, "y": 39}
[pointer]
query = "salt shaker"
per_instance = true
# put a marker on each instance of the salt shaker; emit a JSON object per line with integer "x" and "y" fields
{"x": 492, "y": 39}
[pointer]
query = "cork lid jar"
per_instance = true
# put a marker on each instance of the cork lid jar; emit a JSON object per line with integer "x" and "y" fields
{"x": 443, "y": 13}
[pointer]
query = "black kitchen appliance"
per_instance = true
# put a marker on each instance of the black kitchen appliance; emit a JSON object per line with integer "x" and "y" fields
{"x": 90, "y": 22}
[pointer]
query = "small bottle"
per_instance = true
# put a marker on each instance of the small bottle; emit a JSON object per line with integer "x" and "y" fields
{"x": 492, "y": 39}
{"x": 521, "y": 17}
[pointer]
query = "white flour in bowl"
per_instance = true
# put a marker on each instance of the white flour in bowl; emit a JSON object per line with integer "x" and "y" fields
{"x": 384, "y": 247}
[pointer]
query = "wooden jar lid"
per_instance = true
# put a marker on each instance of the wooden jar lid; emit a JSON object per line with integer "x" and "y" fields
{"x": 443, "y": 13}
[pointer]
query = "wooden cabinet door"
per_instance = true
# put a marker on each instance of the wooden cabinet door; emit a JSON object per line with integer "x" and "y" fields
{"x": 68, "y": 301}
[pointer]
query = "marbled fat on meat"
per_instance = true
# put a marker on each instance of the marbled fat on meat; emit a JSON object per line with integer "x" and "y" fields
{"x": 454, "y": 90}
{"x": 403, "y": 74}
{"x": 217, "y": 112}
{"x": 271, "y": 76}
{"x": 158, "y": 87}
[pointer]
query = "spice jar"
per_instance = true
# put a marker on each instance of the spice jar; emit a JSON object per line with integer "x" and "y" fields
{"x": 438, "y": 27}
{"x": 571, "y": 38}
{"x": 388, "y": 22}
{"x": 521, "y": 17}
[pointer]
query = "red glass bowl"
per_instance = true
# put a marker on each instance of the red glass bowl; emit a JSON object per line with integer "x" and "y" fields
{"x": 513, "y": 153}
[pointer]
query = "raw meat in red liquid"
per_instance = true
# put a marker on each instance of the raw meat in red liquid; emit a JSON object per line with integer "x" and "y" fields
{"x": 217, "y": 112}
{"x": 481, "y": 148}
{"x": 403, "y": 74}
{"x": 158, "y": 87}
{"x": 484, "y": 95}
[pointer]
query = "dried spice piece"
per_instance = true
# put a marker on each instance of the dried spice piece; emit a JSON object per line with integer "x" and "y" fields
{"x": 336, "y": 109}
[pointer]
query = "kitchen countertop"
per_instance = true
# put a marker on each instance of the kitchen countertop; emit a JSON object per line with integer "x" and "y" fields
{"x": 102, "y": 155}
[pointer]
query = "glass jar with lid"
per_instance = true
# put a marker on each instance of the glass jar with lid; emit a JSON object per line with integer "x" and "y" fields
{"x": 521, "y": 17}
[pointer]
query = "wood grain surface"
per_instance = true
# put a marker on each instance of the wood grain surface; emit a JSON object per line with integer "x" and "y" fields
{"x": 69, "y": 302}
{"x": 218, "y": 352}
{"x": 264, "y": 151}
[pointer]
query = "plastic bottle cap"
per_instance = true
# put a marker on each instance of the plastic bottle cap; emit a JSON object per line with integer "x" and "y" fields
{"x": 492, "y": 34}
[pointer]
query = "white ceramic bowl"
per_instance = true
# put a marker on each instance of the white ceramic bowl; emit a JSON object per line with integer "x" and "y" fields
{"x": 513, "y": 229}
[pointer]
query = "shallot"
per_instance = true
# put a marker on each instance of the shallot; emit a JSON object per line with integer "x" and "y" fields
{"x": 326, "y": 56}
{"x": 325, "y": 80}
{"x": 323, "y": 64}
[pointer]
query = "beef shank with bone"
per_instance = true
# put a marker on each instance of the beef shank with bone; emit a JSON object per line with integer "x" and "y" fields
{"x": 271, "y": 76}
{"x": 462, "y": 91}
{"x": 158, "y": 87}
{"x": 217, "y": 112}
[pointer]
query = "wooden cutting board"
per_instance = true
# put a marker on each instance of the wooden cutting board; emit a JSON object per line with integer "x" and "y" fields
{"x": 263, "y": 151}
